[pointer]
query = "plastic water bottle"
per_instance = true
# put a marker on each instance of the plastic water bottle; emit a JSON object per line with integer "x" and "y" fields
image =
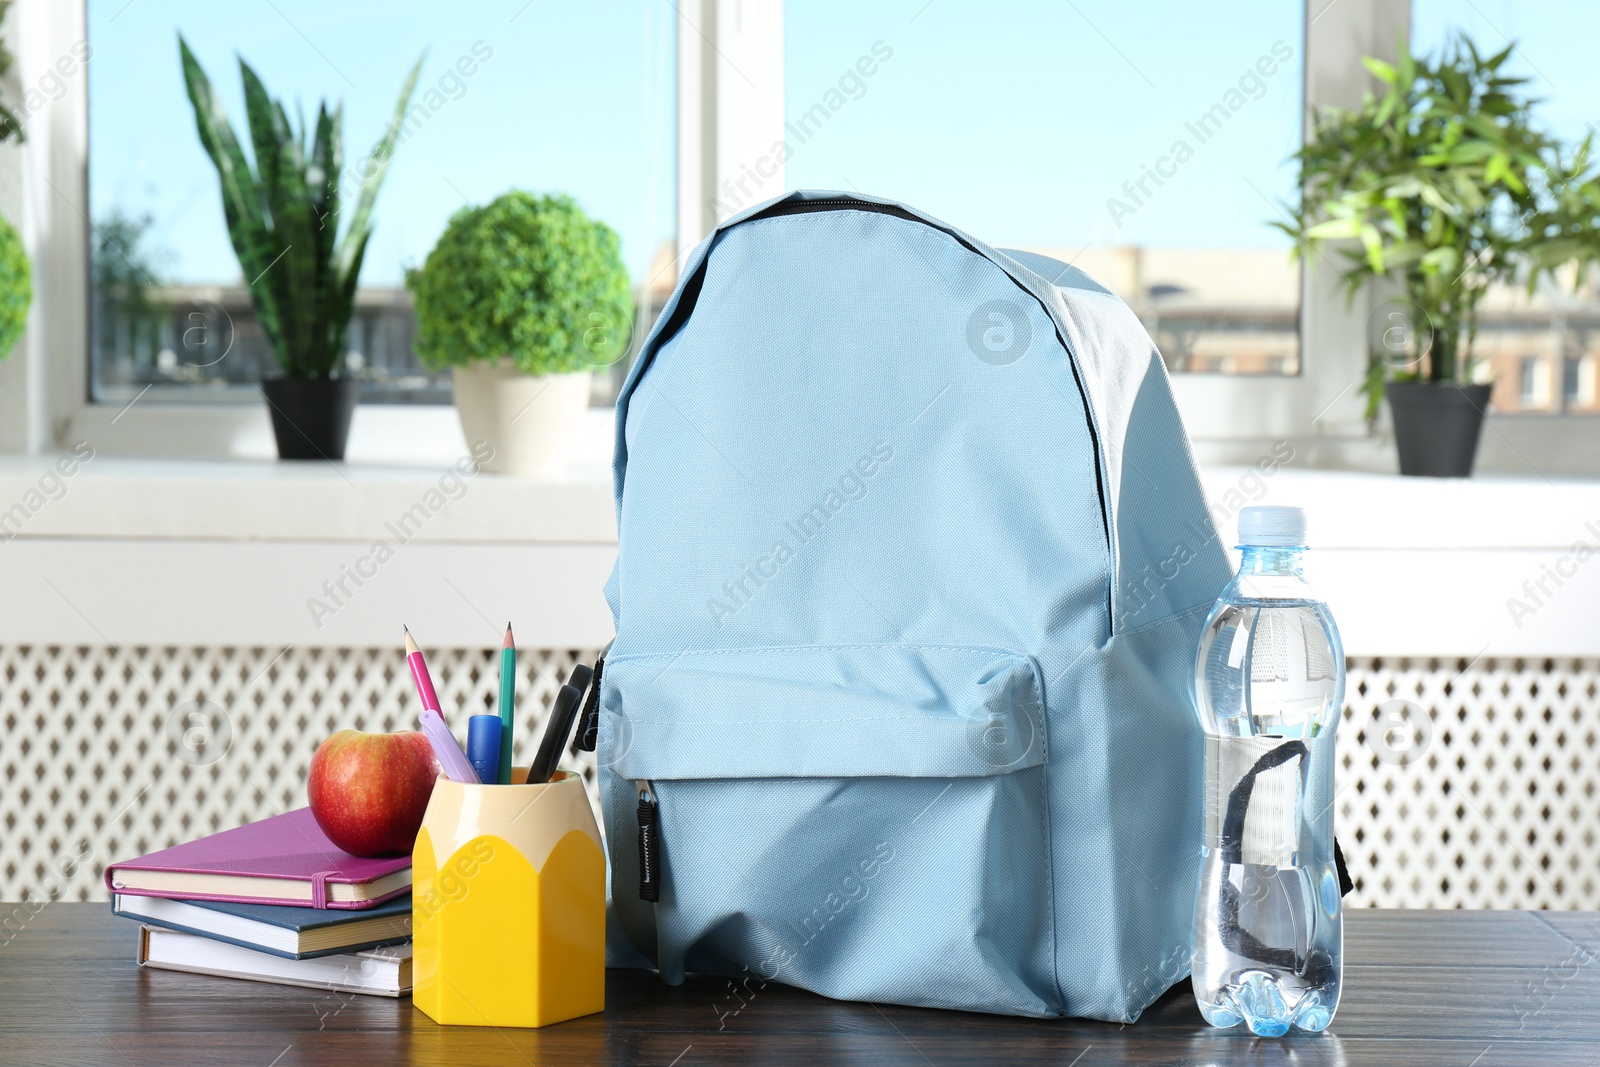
{"x": 1269, "y": 680}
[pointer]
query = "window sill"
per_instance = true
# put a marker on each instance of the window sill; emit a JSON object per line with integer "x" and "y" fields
{"x": 193, "y": 551}
{"x": 136, "y": 498}
{"x": 1364, "y": 510}
{"x": 425, "y": 435}
{"x": 262, "y": 499}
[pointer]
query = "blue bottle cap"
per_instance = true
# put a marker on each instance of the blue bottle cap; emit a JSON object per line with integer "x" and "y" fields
{"x": 483, "y": 747}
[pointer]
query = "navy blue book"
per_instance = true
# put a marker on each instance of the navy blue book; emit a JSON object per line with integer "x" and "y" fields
{"x": 294, "y": 933}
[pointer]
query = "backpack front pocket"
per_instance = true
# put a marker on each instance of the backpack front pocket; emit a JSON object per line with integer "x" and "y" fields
{"x": 866, "y": 821}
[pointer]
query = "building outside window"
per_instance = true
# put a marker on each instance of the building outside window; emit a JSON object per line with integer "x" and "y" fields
{"x": 1172, "y": 211}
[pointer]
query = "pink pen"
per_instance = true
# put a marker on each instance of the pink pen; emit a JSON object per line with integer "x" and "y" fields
{"x": 419, "y": 674}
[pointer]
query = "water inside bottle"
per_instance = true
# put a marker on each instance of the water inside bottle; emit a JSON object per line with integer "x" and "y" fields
{"x": 1268, "y": 935}
{"x": 1270, "y": 956}
{"x": 1269, "y": 667}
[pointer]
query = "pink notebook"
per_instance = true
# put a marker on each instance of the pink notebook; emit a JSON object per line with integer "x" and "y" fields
{"x": 286, "y": 859}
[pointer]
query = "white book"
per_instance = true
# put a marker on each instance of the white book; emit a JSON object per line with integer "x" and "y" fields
{"x": 384, "y": 972}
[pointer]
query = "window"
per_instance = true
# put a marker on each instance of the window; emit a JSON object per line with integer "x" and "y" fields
{"x": 1563, "y": 326}
{"x": 170, "y": 311}
{"x": 1577, "y": 383}
{"x": 1145, "y": 143}
{"x": 1535, "y": 382}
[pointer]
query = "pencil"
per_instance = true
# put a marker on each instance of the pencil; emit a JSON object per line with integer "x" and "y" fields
{"x": 419, "y": 674}
{"x": 508, "y": 702}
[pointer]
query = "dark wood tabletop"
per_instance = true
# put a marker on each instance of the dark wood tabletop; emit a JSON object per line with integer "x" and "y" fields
{"x": 1453, "y": 988}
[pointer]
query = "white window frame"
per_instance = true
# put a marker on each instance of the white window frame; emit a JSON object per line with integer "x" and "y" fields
{"x": 1235, "y": 419}
{"x": 725, "y": 121}
{"x": 1229, "y": 417}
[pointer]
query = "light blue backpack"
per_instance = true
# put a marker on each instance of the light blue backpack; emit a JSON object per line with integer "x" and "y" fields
{"x": 913, "y": 562}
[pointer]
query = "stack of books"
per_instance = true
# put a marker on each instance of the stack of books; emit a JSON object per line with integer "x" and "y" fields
{"x": 272, "y": 901}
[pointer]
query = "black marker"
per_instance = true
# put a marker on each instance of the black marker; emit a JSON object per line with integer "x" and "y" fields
{"x": 556, "y": 732}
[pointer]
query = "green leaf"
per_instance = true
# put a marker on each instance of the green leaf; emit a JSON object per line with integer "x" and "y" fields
{"x": 1372, "y": 241}
{"x": 1442, "y": 260}
{"x": 1379, "y": 69}
{"x": 1372, "y": 386}
{"x": 266, "y": 131}
{"x": 343, "y": 291}
{"x": 1334, "y": 229}
{"x": 1387, "y": 108}
{"x": 247, "y": 226}
{"x": 326, "y": 161}
{"x": 1435, "y": 199}
{"x": 1407, "y": 67}
{"x": 377, "y": 165}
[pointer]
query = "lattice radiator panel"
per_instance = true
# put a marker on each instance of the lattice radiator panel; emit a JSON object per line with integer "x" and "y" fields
{"x": 108, "y": 753}
{"x": 1471, "y": 785}
{"x": 1479, "y": 792}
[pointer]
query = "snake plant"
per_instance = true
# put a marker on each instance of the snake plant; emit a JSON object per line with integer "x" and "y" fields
{"x": 283, "y": 216}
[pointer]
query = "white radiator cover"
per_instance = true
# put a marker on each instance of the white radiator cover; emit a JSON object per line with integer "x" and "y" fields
{"x": 89, "y": 755}
{"x": 1499, "y": 809}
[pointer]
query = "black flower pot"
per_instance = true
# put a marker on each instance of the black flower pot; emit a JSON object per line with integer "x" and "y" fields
{"x": 310, "y": 416}
{"x": 1436, "y": 426}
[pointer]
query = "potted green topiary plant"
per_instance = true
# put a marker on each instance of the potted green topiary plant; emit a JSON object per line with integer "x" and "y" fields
{"x": 521, "y": 299}
{"x": 1447, "y": 186}
{"x": 283, "y": 221}
{"x": 16, "y": 288}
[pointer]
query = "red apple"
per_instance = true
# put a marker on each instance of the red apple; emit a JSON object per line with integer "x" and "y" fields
{"x": 368, "y": 792}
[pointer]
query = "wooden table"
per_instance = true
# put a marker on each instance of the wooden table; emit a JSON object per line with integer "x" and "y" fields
{"x": 1459, "y": 989}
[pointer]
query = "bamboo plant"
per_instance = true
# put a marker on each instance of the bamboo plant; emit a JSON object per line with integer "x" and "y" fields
{"x": 1444, "y": 184}
{"x": 283, "y": 215}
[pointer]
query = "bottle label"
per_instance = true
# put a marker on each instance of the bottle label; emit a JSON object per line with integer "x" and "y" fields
{"x": 1255, "y": 790}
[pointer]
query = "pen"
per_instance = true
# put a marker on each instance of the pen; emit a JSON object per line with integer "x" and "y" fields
{"x": 508, "y": 703}
{"x": 446, "y": 750}
{"x": 555, "y": 735}
{"x": 419, "y": 674}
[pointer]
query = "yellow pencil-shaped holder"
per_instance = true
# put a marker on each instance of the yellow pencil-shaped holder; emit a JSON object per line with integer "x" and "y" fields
{"x": 509, "y": 905}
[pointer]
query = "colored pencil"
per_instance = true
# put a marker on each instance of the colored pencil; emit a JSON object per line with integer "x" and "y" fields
{"x": 419, "y": 675}
{"x": 508, "y": 702}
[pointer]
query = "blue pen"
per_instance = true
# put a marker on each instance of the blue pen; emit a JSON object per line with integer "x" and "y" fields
{"x": 483, "y": 747}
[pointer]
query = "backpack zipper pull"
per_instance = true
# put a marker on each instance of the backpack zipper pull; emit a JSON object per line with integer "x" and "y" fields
{"x": 649, "y": 844}
{"x": 589, "y": 721}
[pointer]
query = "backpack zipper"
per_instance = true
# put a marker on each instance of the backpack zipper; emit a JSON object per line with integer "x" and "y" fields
{"x": 802, "y": 207}
{"x": 649, "y": 843}
{"x": 811, "y": 207}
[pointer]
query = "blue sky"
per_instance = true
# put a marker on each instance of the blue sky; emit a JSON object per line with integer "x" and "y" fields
{"x": 1018, "y": 122}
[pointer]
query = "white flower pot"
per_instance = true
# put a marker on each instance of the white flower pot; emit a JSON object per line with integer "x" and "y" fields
{"x": 529, "y": 421}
